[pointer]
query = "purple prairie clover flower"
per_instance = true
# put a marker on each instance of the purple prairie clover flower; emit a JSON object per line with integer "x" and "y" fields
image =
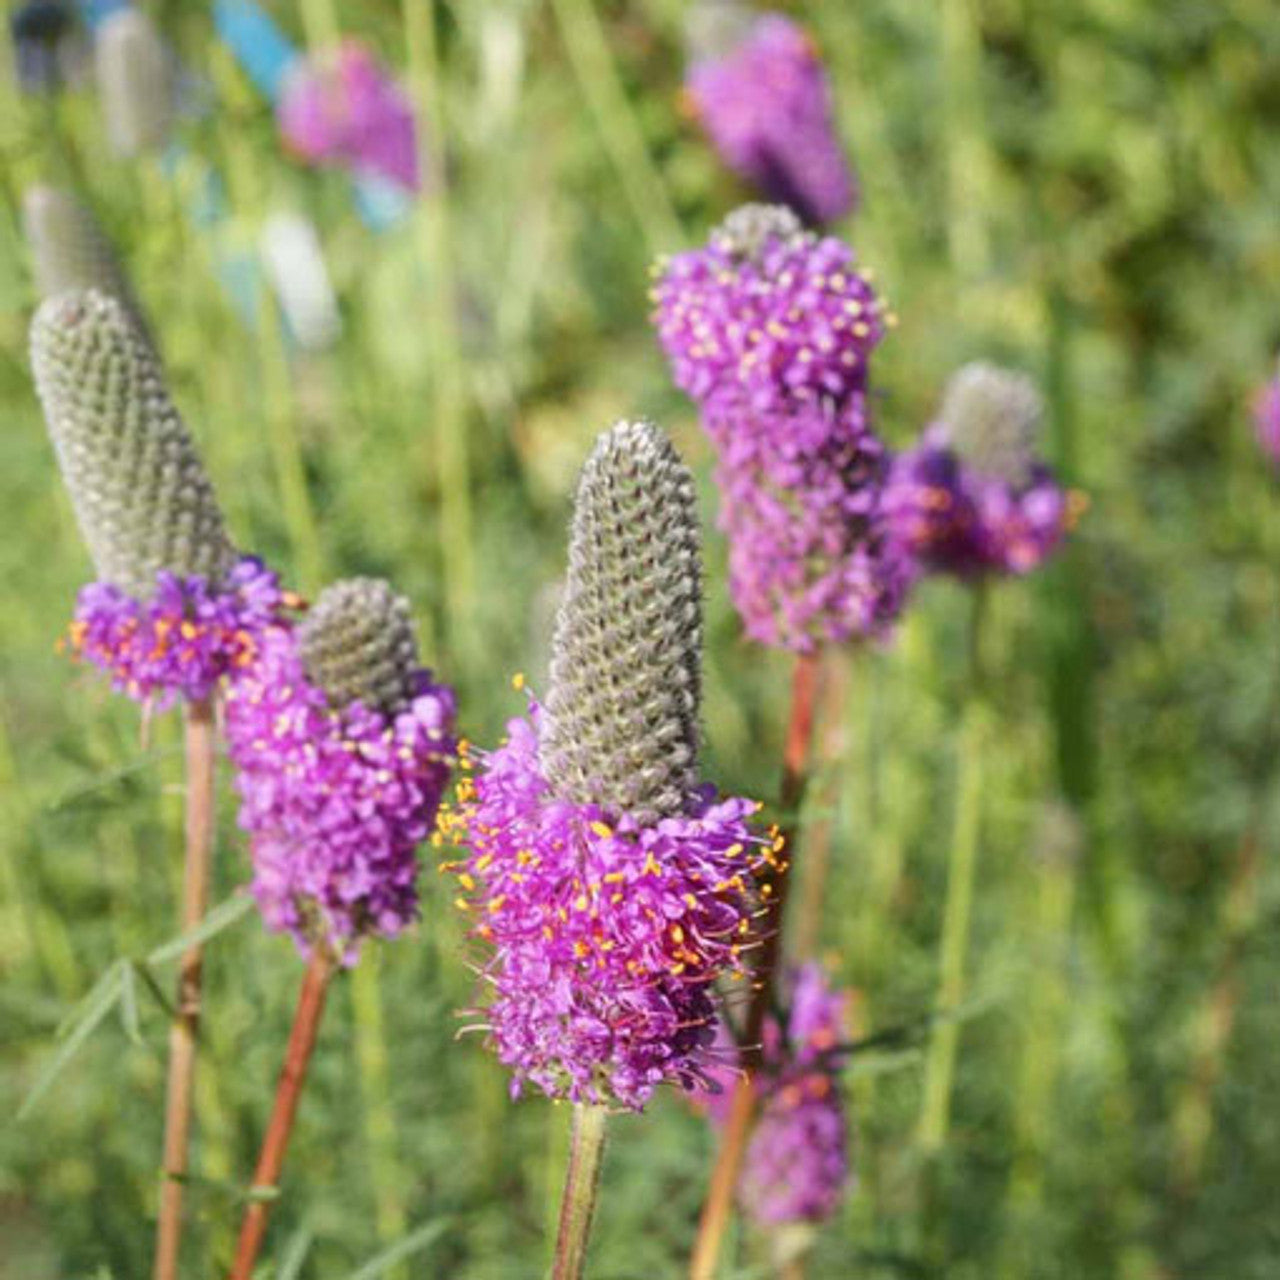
{"x": 797, "y": 1163}
{"x": 184, "y": 638}
{"x": 770, "y": 329}
{"x": 768, "y": 313}
{"x": 766, "y": 104}
{"x": 338, "y": 794}
{"x": 811, "y": 559}
{"x": 342, "y": 108}
{"x": 1266, "y": 417}
{"x": 608, "y": 887}
{"x": 972, "y": 497}
{"x": 606, "y": 934}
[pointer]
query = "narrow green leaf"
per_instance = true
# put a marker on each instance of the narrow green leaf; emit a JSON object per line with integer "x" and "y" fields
{"x": 410, "y": 1245}
{"x": 295, "y": 1253}
{"x": 129, "y": 1004}
{"x": 106, "y": 993}
{"x": 142, "y": 970}
{"x": 223, "y": 916}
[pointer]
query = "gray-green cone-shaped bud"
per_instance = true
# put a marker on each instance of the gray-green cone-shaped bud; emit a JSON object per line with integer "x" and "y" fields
{"x": 620, "y": 725}
{"x": 140, "y": 492}
{"x": 69, "y": 250}
{"x": 992, "y": 416}
{"x": 357, "y": 644}
{"x": 135, "y": 74}
{"x": 745, "y": 230}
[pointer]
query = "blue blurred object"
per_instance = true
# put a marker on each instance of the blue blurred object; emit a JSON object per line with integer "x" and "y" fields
{"x": 96, "y": 12}
{"x": 260, "y": 47}
{"x": 381, "y": 203}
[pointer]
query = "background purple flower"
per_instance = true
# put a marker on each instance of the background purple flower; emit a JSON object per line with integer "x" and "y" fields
{"x": 336, "y": 799}
{"x": 1266, "y": 416}
{"x": 972, "y": 497}
{"x": 766, "y": 104}
{"x": 770, "y": 329}
{"x": 797, "y": 1163}
{"x": 342, "y": 108}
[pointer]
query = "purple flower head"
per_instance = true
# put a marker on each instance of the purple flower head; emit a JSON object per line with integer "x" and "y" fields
{"x": 770, "y": 329}
{"x": 605, "y": 935}
{"x": 768, "y": 314}
{"x": 1266, "y": 416}
{"x": 797, "y": 1164}
{"x": 766, "y": 104}
{"x": 336, "y": 795}
{"x": 184, "y": 638}
{"x": 810, "y": 556}
{"x": 972, "y": 497}
{"x": 608, "y": 885}
{"x": 343, "y": 109}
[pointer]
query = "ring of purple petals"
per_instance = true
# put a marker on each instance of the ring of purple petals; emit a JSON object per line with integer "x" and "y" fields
{"x": 184, "y": 639}
{"x": 603, "y": 937}
{"x": 336, "y": 802}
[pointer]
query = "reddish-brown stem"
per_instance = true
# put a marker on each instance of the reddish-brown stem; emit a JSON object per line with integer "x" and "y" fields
{"x": 199, "y": 734}
{"x": 733, "y": 1140}
{"x": 302, "y": 1040}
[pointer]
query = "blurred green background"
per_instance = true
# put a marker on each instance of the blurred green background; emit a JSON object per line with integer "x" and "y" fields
{"x": 1090, "y": 192}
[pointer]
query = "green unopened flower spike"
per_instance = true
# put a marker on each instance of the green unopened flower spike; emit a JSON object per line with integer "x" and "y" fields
{"x": 993, "y": 417}
{"x": 357, "y": 645}
{"x": 621, "y": 726}
{"x": 140, "y": 493}
{"x": 175, "y": 608}
{"x": 135, "y": 74}
{"x": 69, "y": 250}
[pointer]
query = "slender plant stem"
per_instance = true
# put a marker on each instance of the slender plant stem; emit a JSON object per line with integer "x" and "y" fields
{"x": 302, "y": 1040}
{"x": 199, "y": 733}
{"x": 941, "y": 1054}
{"x": 433, "y": 226}
{"x": 733, "y": 1140}
{"x": 1215, "y": 1020}
{"x": 597, "y": 75}
{"x": 581, "y": 1184}
{"x": 818, "y": 837}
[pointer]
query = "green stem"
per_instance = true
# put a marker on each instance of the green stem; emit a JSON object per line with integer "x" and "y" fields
{"x": 597, "y": 75}
{"x": 387, "y": 1177}
{"x": 581, "y": 1184}
{"x": 941, "y": 1055}
{"x": 440, "y": 313}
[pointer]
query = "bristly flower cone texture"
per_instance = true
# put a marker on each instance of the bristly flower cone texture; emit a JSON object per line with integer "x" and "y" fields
{"x": 610, "y": 887}
{"x": 69, "y": 250}
{"x": 140, "y": 492}
{"x": 357, "y": 645}
{"x": 342, "y": 745}
{"x": 620, "y": 728}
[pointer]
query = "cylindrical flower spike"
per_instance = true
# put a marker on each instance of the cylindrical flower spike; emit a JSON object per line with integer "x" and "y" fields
{"x": 611, "y": 903}
{"x": 796, "y": 1168}
{"x": 770, "y": 329}
{"x": 342, "y": 745}
{"x": 973, "y": 497}
{"x": 620, "y": 728}
{"x": 175, "y": 608}
{"x": 135, "y": 73}
{"x": 762, "y": 95}
{"x": 69, "y": 250}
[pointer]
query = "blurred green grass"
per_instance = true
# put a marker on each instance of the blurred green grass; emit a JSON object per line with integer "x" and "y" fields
{"x": 1087, "y": 191}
